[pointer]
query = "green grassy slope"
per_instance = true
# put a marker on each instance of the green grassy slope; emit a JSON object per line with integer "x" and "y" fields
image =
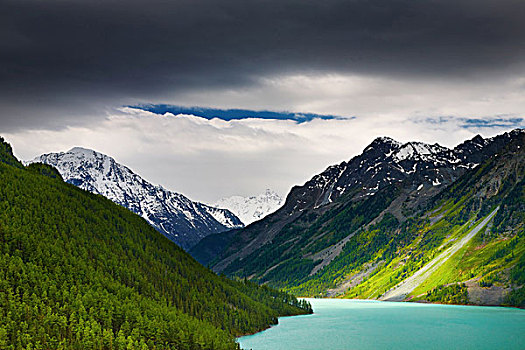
{"x": 491, "y": 264}
{"x": 80, "y": 272}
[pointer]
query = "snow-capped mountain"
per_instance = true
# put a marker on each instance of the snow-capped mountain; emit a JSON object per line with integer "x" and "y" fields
{"x": 386, "y": 161}
{"x": 181, "y": 220}
{"x": 250, "y": 209}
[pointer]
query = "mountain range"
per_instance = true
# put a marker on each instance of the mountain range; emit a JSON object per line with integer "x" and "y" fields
{"x": 356, "y": 220}
{"x": 383, "y": 224}
{"x": 180, "y": 219}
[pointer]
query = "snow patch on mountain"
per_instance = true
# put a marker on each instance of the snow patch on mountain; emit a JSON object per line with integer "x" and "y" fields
{"x": 251, "y": 209}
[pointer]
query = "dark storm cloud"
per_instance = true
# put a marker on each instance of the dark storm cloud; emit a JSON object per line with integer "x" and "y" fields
{"x": 63, "y": 59}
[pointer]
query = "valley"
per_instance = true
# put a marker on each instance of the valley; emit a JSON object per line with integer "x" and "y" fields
{"x": 423, "y": 221}
{"x": 450, "y": 231}
{"x": 262, "y": 175}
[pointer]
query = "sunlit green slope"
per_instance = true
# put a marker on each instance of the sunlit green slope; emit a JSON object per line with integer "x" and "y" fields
{"x": 488, "y": 267}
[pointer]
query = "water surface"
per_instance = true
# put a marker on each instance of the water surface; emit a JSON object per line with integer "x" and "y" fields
{"x": 359, "y": 324}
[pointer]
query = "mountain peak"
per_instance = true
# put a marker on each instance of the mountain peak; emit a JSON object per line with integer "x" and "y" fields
{"x": 397, "y": 151}
{"x": 417, "y": 149}
{"x": 385, "y": 140}
{"x": 183, "y": 221}
{"x": 78, "y": 149}
{"x": 86, "y": 152}
{"x": 382, "y": 145}
{"x": 478, "y": 138}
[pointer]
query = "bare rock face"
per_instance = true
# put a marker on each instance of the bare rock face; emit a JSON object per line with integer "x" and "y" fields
{"x": 493, "y": 295}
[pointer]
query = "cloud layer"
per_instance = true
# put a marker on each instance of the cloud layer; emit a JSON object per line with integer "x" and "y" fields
{"x": 71, "y": 62}
{"x": 436, "y": 71}
{"x": 209, "y": 159}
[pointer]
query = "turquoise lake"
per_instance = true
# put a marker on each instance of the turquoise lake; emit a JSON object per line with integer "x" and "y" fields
{"x": 359, "y": 324}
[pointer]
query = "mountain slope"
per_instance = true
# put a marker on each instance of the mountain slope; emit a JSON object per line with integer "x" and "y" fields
{"x": 408, "y": 285}
{"x": 181, "y": 220}
{"x": 80, "y": 272}
{"x": 313, "y": 244}
{"x": 250, "y": 209}
{"x": 477, "y": 223}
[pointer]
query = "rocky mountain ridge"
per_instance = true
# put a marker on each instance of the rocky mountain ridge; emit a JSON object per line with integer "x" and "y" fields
{"x": 386, "y": 161}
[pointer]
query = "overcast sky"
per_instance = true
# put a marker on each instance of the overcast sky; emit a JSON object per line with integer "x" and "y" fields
{"x": 435, "y": 71}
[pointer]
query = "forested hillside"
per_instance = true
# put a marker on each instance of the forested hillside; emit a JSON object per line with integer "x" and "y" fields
{"x": 80, "y": 272}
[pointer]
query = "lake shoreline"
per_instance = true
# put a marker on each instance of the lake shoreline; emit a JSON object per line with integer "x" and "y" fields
{"x": 375, "y": 300}
{"x": 360, "y": 324}
{"x": 276, "y": 324}
{"x": 417, "y": 302}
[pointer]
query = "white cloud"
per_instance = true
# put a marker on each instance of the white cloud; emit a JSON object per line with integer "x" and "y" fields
{"x": 209, "y": 159}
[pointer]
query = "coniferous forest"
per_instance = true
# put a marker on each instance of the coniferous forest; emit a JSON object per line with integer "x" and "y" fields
{"x": 80, "y": 272}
